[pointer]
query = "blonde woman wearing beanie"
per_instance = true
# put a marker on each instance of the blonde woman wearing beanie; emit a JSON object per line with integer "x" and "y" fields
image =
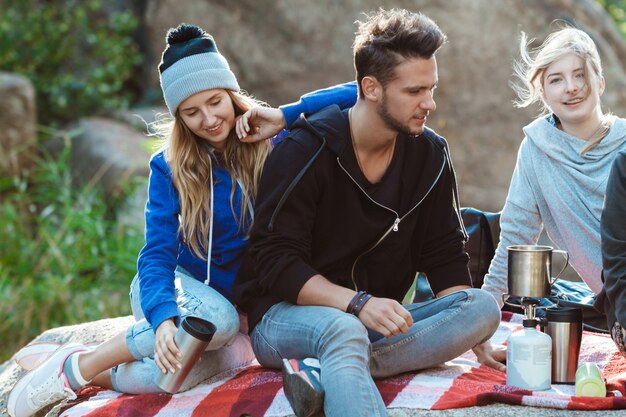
{"x": 202, "y": 184}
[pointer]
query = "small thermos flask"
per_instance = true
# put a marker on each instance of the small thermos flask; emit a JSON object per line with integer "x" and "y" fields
{"x": 192, "y": 338}
{"x": 565, "y": 327}
{"x": 589, "y": 381}
{"x": 528, "y": 358}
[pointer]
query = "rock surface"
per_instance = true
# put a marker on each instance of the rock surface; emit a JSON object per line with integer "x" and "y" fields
{"x": 101, "y": 330}
{"x": 108, "y": 152}
{"x": 17, "y": 121}
{"x": 92, "y": 332}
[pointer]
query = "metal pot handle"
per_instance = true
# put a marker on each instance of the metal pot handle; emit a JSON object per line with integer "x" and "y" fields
{"x": 566, "y": 255}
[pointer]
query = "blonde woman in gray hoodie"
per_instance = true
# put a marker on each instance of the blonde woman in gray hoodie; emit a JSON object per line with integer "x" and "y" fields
{"x": 563, "y": 163}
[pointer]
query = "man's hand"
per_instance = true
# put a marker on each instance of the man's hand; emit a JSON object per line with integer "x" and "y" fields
{"x": 259, "y": 123}
{"x": 385, "y": 316}
{"x": 493, "y": 356}
{"x": 166, "y": 353}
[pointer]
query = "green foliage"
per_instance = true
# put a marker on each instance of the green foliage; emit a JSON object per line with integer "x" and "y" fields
{"x": 77, "y": 56}
{"x": 617, "y": 10}
{"x": 63, "y": 258}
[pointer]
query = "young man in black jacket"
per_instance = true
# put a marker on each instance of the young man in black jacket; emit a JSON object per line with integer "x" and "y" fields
{"x": 351, "y": 205}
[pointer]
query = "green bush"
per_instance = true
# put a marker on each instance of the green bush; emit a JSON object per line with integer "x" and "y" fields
{"x": 77, "y": 56}
{"x": 64, "y": 258}
{"x": 617, "y": 10}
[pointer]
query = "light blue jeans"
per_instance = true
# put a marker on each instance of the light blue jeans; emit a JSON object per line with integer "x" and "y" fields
{"x": 230, "y": 347}
{"x": 350, "y": 356}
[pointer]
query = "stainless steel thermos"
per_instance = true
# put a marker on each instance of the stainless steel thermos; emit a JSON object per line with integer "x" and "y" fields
{"x": 565, "y": 327}
{"x": 192, "y": 338}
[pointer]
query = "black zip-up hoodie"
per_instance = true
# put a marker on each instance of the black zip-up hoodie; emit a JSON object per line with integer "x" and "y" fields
{"x": 312, "y": 217}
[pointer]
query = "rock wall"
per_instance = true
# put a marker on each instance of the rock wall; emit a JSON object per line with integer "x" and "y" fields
{"x": 108, "y": 152}
{"x": 281, "y": 49}
{"x": 17, "y": 121}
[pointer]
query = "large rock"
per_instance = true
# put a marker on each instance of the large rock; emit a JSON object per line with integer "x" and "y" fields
{"x": 109, "y": 153}
{"x": 281, "y": 49}
{"x": 17, "y": 118}
{"x": 93, "y": 332}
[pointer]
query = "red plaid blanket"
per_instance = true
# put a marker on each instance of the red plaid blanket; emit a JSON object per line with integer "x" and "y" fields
{"x": 461, "y": 382}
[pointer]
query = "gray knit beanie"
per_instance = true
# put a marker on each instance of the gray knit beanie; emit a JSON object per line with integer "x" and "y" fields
{"x": 191, "y": 63}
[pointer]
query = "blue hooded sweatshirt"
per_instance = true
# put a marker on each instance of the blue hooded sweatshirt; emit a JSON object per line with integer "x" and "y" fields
{"x": 164, "y": 249}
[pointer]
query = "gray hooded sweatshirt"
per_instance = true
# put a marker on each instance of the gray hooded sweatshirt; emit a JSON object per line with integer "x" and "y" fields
{"x": 555, "y": 188}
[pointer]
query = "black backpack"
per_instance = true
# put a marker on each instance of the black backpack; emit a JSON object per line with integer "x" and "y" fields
{"x": 483, "y": 230}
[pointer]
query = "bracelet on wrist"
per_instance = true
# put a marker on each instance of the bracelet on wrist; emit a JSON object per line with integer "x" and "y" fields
{"x": 354, "y": 301}
{"x": 361, "y": 303}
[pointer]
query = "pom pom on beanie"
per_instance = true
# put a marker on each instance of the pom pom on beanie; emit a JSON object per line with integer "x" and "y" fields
{"x": 191, "y": 63}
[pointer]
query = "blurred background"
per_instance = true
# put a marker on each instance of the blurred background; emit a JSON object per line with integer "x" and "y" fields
{"x": 78, "y": 79}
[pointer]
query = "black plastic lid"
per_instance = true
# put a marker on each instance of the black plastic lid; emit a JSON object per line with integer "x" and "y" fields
{"x": 199, "y": 328}
{"x": 564, "y": 315}
{"x": 532, "y": 323}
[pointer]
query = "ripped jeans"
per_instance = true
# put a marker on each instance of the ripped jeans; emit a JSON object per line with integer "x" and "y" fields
{"x": 230, "y": 348}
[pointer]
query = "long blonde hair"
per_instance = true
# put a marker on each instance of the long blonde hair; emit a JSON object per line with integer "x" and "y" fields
{"x": 190, "y": 162}
{"x": 530, "y": 70}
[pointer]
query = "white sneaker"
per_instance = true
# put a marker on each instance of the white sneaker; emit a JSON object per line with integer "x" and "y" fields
{"x": 33, "y": 355}
{"x": 44, "y": 385}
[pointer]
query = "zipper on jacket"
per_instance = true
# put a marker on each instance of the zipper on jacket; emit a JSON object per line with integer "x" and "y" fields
{"x": 396, "y": 221}
{"x": 395, "y": 226}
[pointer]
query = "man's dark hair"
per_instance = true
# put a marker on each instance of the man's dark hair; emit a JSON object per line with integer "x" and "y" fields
{"x": 389, "y": 36}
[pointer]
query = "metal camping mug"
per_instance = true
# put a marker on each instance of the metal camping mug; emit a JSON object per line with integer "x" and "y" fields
{"x": 530, "y": 270}
{"x": 565, "y": 327}
{"x": 192, "y": 337}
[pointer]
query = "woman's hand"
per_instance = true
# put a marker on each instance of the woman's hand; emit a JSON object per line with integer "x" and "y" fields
{"x": 259, "y": 123}
{"x": 166, "y": 353}
{"x": 385, "y": 316}
{"x": 491, "y": 355}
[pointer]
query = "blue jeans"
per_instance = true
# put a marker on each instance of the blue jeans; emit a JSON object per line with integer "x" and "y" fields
{"x": 350, "y": 356}
{"x": 230, "y": 348}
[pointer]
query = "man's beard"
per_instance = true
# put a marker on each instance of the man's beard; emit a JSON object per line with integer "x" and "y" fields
{"x": 392, "y": 122}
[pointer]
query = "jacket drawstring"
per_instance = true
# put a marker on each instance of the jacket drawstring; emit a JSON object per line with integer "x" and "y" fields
{"x": 298, "y": 177}
{"x": 211, "y": 205}
{"x": 208, "y": 258}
